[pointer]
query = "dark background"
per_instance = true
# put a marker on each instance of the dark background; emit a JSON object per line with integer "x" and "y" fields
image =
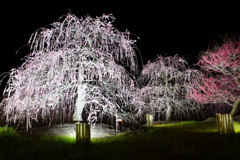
{"x": 164, "y": 27}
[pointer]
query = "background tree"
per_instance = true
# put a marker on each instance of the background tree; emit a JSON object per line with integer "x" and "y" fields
{"x": 163, "y": 86}
{"x": 72, "y": 65}
{"x": 220, "y": 84}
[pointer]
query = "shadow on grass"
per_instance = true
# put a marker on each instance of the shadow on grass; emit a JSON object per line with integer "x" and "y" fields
{"x": 189, "y": 140}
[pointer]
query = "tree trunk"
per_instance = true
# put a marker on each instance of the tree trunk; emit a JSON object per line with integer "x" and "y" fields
{"x": 169, "y": 107}
{"x": 169, "y": 112}
{"x": 235, "y": 106}
{"x": 83, "y": 133}
{"x": 225, "y": 124}
{"x": 80, "y": 101}
{"x": 116, "y": 122}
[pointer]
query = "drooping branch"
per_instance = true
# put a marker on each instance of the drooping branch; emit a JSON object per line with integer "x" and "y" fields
{"x": 163, "y": 86}
{"x": 73, "y": 54}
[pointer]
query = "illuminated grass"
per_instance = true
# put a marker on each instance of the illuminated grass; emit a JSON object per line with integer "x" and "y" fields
{"x": 177, "y": 124}
{"x": 7, "y": 131}
{"x": 236, "y": 126}
{"x": 63, "y": 139}
{"x": 185, "y": 140}
{"x": 194, "y": 126}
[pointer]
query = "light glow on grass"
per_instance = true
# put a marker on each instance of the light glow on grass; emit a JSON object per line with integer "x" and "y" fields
{"x": 176, "y": 124}
{"x": 69, "y": 130}
{"x": 65, "y": 139}
{"x": 236, "y": 126}
{"x": 191, "y": 126}
{"x": 194, "y": 126}
{"x": 6, "y": 130}
{"x": 155, "y": 142}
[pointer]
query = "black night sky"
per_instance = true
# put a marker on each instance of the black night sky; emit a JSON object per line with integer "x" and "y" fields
{"x": 166, "y": 27}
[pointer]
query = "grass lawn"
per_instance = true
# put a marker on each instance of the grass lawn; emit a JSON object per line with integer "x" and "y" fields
{"x": 185, "y": 140}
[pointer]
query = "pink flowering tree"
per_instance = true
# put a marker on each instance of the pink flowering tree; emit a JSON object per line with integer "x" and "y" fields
{"x": 221, "y": 83}
{"x": 163, "y": 86}
{"x": 76, "y": 64}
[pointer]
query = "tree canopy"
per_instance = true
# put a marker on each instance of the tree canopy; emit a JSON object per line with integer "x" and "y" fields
{"x": 163, "y": 86}
{"x": 220, "y": 83}
{"x": 74, "y": 63}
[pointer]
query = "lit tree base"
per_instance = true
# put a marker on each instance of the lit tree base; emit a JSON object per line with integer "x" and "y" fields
{"x": 225, "y": 124}
{"x": 83, "y": 135}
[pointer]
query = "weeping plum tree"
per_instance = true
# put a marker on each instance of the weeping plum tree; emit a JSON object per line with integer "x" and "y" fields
{"x": 163, "y": 86}
{"x": 220, "y": 84}
{"x": 74, "y": 64}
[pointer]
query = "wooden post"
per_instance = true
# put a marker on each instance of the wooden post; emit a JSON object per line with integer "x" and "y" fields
{"x": 149, "y": 118}
{"x": 83, "y": 135}
{"x": 224, "y": 124}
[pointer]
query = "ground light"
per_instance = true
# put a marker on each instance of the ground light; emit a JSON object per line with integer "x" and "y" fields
{"x": 83, "y": 133}
{"x": 149, "y": 119}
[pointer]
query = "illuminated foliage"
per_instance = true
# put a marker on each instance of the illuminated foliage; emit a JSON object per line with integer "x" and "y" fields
{"x": 163, "y": 86}
{"x": 74, "y": 64}
{"x": 220, "y": 84}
